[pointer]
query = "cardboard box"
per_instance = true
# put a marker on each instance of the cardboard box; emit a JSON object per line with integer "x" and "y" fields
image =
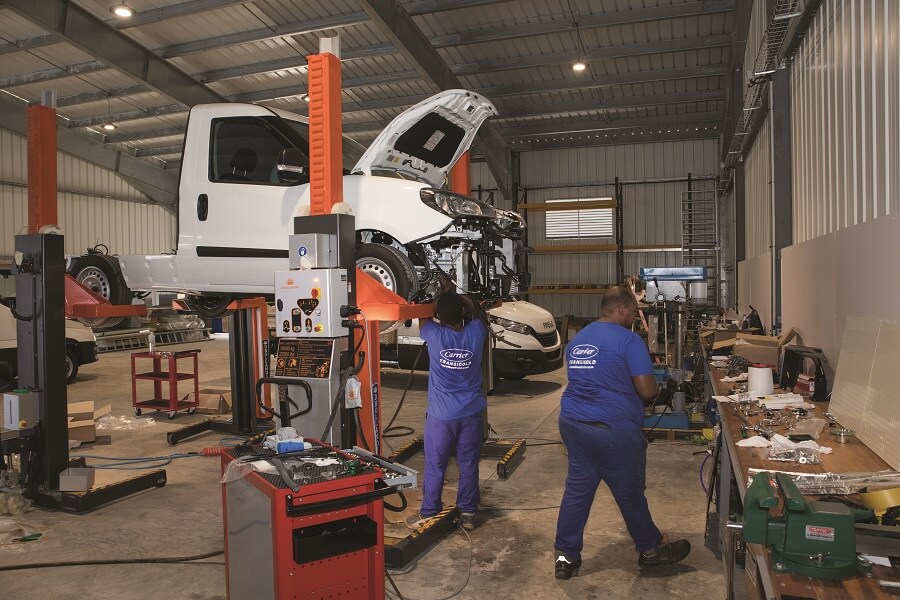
{"x": 211, "y": 401}
{"x": 76, "y": 479}
{"x": 716, "y": 339}
{"x": 761, "y": 349}
{"x": 83, "y": 418}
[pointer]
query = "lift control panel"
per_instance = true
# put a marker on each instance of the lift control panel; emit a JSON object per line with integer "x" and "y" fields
{"x": 308, "y": 303}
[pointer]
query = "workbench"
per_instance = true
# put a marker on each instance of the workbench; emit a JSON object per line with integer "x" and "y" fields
{"x": 758, "y": 580}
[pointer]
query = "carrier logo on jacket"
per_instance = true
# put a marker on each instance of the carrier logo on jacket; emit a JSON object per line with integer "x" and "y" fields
{"x": 583, "y": 356}
{"x": 456, "y": 358}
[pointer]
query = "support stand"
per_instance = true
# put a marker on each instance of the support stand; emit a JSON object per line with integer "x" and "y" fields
{"x": 244, "y": 343}
{"x": 41, "y": 345}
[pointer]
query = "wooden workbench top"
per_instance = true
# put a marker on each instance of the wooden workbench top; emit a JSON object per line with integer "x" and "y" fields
{"x": 852, "y": 457}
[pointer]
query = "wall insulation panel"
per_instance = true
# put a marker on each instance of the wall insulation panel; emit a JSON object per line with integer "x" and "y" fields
{"x": 758, "y": 193}
{"x": 846, "y": 118}
{"x": 95, "y": 206}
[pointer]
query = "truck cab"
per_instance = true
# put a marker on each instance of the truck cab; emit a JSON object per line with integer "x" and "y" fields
{"x": 245, "y": 176}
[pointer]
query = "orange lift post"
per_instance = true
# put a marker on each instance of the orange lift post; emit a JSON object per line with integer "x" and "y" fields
{"x": 42, "y": 210}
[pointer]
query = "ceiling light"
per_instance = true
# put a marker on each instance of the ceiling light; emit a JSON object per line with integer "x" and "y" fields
{"x": 122, "y": 10}
{"x": 579, "y": 65}
{"x": 109, "y": 126}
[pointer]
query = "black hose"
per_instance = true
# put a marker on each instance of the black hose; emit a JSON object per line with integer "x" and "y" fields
{"x": 401, "y": 430}
{"x": 113, "y": 561}
{"x": 403, "y": 504}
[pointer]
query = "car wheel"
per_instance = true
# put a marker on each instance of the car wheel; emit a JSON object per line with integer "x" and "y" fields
{"x": 209, "y": 307}
{"x": 101, "y": 274}
{"x": 388, "y": 266}
{"x": 71, "y": 366}
{"x": 392, "y": 269}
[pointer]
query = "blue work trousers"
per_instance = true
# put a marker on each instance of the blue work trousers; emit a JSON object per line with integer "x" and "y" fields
{"x": 616, "y": 456}
{"x": 442, "y": 437}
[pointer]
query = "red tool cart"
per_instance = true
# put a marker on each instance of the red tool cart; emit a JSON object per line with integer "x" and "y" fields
{"x": 165, "y": 370}
{"x": 309, "y": 530}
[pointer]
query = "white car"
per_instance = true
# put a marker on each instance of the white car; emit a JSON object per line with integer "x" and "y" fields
{"x": 245, "y": 176}
{"x": 81, "y": 348}
{"x": 527, "y": 342}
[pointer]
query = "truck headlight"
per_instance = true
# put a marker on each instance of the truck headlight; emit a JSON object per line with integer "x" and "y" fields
{"x": 456, "y": 205}
{"x": 508, "y": 325}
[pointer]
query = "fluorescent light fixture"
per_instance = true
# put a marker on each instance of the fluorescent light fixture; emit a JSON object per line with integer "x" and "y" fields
{"x": 122, "y": 10}
{"x": 109, "y": 126}
{"x": 579, "y": 65}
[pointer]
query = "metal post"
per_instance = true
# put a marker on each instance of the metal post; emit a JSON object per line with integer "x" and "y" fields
{"x": 782, "y": 181}
{"x": 40, "y": 293}
{"x": 243, "y": 406}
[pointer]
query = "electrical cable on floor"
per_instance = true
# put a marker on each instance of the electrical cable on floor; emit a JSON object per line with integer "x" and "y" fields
{"x": 401, "y": 430}
{"x": 702, "y": 483}
{"x": 118, "y": 561}
{"x": 122, "y": 463}
{"x": 400, "y": 596}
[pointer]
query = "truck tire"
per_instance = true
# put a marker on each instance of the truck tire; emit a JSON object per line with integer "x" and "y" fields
{"x": 208, "y": 306}
{"x": 71, "y": 366}
{"x": 388, "y": 266}
{"x": 101, "y": 274}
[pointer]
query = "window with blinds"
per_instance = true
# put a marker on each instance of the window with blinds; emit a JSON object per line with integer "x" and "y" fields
{"x": 590, "y": 222}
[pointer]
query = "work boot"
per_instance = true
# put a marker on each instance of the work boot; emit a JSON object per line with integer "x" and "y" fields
{"x": 667, "y": 553}
{"x": 565, "y": 567}
{"x": 468, "y": 521}
{"x": 418, "y": 520}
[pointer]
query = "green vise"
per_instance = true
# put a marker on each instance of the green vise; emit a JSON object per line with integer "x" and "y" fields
{"x": 814, "y": 538}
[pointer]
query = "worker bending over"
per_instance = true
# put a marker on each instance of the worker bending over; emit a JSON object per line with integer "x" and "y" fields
{"x": 610, "y": 374}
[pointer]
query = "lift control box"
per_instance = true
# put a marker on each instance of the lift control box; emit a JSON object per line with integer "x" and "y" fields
{"x": 308, "y": 303}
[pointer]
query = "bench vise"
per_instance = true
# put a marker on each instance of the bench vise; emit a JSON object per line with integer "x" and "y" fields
{"x": 812, "y": 538}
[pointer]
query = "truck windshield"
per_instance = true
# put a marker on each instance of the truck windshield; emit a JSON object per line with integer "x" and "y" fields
{"x": 298, "y": 132}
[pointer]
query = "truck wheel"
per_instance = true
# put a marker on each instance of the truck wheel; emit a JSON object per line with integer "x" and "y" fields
{"x": 100, "y": 273}
{"x": 209, "y": 307}
{"x": 71, "y": 366}
{"x": 388, "y": 266}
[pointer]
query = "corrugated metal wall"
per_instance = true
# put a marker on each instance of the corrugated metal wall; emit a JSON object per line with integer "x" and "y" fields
{"x": 845, "y": 86}
{"x": 95, "y": 206}
{"x": 758, "y": 193}
{"x": 652, "y": 210}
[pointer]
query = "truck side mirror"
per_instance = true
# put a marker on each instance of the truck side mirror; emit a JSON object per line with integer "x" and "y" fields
{"x": 290, "y": 167}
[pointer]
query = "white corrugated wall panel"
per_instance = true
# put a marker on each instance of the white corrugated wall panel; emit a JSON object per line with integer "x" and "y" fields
{"x": 95, "y": 206}
{"x": 758, "y": 193}
{"x": 845, "y": 83}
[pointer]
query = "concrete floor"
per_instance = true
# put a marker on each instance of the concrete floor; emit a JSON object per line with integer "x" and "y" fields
{"x": 509, "y": 556}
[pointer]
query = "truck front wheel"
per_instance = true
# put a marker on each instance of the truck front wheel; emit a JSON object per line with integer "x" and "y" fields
{"x": 388, "y": 266}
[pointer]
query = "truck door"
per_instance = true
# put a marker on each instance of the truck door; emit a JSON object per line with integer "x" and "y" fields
{"x": 244, "y": 214}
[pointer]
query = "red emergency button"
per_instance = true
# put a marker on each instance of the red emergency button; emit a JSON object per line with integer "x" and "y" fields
{"x": 318, "y": 329}
{"x": 315, "y": 292}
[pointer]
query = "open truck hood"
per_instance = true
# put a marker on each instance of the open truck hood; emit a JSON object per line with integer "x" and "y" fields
{"x": 426, "y": 140}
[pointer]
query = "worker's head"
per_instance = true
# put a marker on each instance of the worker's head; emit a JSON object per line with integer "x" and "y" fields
{"x": 619, "y": 306}
{"x": 449, "y": 309}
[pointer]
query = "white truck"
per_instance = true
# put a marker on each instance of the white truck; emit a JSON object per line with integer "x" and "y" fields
{"x": 245, "y": 176}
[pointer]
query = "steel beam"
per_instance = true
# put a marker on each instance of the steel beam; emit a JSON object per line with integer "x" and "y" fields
{"x": 31, "y": 43}
{"x": 594, "y": 105}
{"x": 128, "y": 115}
{"x": 603, "y": 81}
{"x": 164, "y": 13}
{"x": 613, "y": 139}
{"x": 669, "y": 121}
{"x": 114, "y": 48}
{"x": 621, "y": 17}
{"x": 421, "y": 7}
{"x": 159, "y": 185}
{"x": 144, "y": 135}
{"x": 51, "y": 74}
{"x": 782, "y": 180}
{"x": 159, "y": 150}
{"x": 264, "y": 33}
{"x": 397, "y": 24}
{"x": 741, "y": 20}
{"x": 598, "y": 54}
{"x": 299, "y": 90}
{"x": 100, "y": 95}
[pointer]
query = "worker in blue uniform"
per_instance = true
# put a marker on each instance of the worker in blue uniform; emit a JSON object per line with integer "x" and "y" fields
{"x": 610, "y": 377}
{"x": 456, "y": 404}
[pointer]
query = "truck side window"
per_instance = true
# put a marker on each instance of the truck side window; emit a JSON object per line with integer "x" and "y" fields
{"x": 245, "y": 149}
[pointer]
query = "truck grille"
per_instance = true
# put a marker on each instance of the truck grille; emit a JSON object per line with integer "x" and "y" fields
{"x": 547, "y": 339}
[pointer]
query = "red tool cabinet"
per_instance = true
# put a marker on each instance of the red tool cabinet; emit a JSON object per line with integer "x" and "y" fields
{"x": 165, "y": 371}
{"x": 325, "y": 540}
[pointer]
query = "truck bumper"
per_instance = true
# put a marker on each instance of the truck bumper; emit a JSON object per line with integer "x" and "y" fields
{"x": 515, "y": 364}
